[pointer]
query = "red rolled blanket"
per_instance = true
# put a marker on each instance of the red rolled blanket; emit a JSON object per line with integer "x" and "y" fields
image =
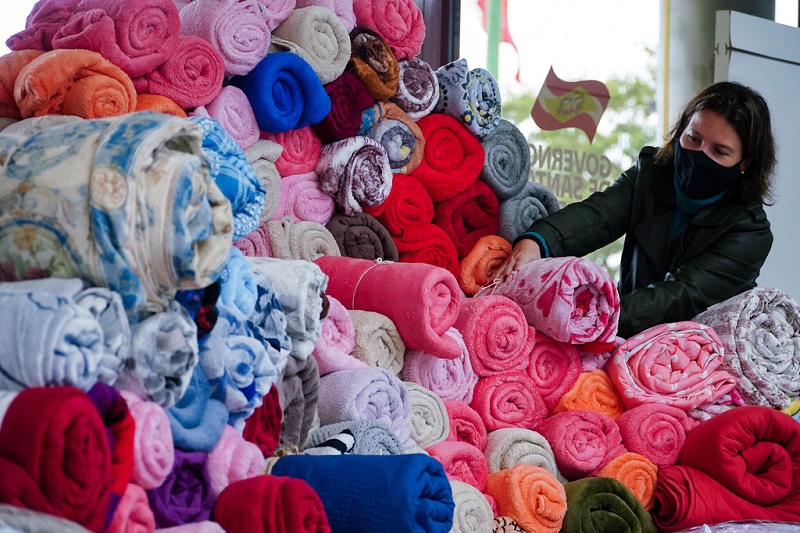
{"x": 349, "y": 98}
{"x": 428, "y": 244}
{"x": 408, "y": 204}
{"x": 468, "y": 216}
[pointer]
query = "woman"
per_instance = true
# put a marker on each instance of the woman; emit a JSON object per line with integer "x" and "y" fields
{"x": 692, "y": 213}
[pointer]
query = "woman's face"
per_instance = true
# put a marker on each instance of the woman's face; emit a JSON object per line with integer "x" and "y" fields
{"x": 708, "y": 132}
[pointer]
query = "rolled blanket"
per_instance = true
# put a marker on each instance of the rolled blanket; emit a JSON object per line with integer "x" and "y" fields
{"x": 285, "y": 93}
{"x": 508, "y": 400}
{"x": 362, "y": 236}
{"x": 637, "y": 473}
{"x": 678, "y": 364}
{"x": 473, "y": 513}
{"x": 366, "y": 394}
{"x": 234, "y": 176}
{"x": 428, "y": 244}
{"x": 275, "y": 503}
{"x": 186, "y": 237}
{"x": 299, "y": 286}
{"x": 450, "y": 379}
{"x": 153, "y": 447}
{"x": 356, "y": 172}
{"x": 377, "y": 341}
{"x": 509, "y": 447}
{"x": 413, "y": 489}
{"x": 555, "y": 367}
{"x": 186, "y": 496}
{"x": 399, "y": 135}
{"x": 236, "y": 29}
{"x": 371, "y": 437}
{"x": 408, "y": 204}
{"x": 277, "y": 11}
{"x": 192, "y": 76}
{"x": 10, "y": 66}
{"x": 55, "y": 456}
{"x": 760, "y": 329}
{"x": 262, "y": 156}
{"x": 60, "y": 332}
{"x": 427, "y": 309}
{"x": 531, "y": 496}
{"x": 569, "y": 299}
{"x": 342, "y": 8}
{"x": 257, "y": 243}
{"x": 507, "y": 166}
{"x": 400, "y": 24}
{"x": 466, "y": 425}
{"x": 582, "y": 441}
{"x": 197, "y": 421}
{"x": 468, "y": 216}
{"x": 373, "y": 61}
{"x": 598, "y": 357}
{"x": 14, "y": 519}
{"x": 233, "y": 459}
{"x": 604, "y": 505}
{"x": 44, "y": 20}
{"x": 452, "y": 160}
{"x": 237, "y": 287}
{"x": 429, "y": 422}
{"x": 302, "y": 199}
{"x": 349, "y": 98}
{"x": 28, "y": 126}
{"x": 137, "y": 37}
{"x": 73, "y": 82}
{"x": 300, "y": 241}
{"x": 417, "y": 88}
{"x": 593, "y": 391}
{"x": 506, "y": 524}
{"x": 478, "y": 267}
{"x": 655, "y": 431}
{"x": 471, "y": 96}
{"x": 235, "y": 114}
{"x": 263, "y": 428}
{"x": 461, "y": 461}
{"x": 336, "y": 341}
{"x": 162, "y": 356}
{"x": 299, "y": 396}
{"x": 316, "y": 35}
{"x": 158, "y": 104}
{"x": 133, "y": 512}
{"x": 495, "y": 333}
{"x": 301, "y": 149}
{"x": 738, "y": 465}
{"x": 535, "y": 201}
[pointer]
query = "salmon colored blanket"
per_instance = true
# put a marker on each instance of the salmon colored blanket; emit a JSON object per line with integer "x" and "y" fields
{"x": 593, "y": 391}
{"x": 637, "y": 473}
{"x": 10, "y": 66}
{"x": 480, "y": 264}
{"x": 530, "y": 495}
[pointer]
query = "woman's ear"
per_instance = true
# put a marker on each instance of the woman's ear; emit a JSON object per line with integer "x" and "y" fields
{"x": 743, "y": 165}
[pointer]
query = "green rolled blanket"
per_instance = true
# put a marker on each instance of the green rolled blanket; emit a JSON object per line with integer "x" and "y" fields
{"x": 604, "y": 505}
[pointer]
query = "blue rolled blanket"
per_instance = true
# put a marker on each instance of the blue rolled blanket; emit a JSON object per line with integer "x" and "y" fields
{"x": 197, "y": 421}
{"x": 368, "y": 493}
{"x": 285, "y": 93}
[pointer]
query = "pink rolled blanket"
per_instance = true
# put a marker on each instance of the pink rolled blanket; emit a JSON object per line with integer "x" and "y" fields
{"x": 508, "y": 401}
{"x": 153, "y": 449}
{"x": 237, "y": 29}
{"x": 423, "y": 301}
{"x": 302, "y": 198}
{"x": 466, "y": 425}
{"x": 678, "y": 364}
{"x": 655, "y": 431}
{"x": 301, "y": 150}
{"x": 399, "y": 22}
{"x": 569, "y": 299}
{"x": 495, "y": 333}
{"x": 133, "y": 513}
{"x": 356, "y": 172}
{"x": 256, "y": 244}
{"x": 553, "y": 366}
{"x": 462, "y": 461}
{"x": 583, "y": 442}
{"x": 451, "y": 379}
{"x": 278, "y": 10}
{"x": 233, "y": 111}
{"x": 342, "y": 8}
{"x": 136, "y": 36}
{"x": 233, "y": 459}
{"x": 44, "y": 20}
{"x": 336, "y": 341}
{"x": 192, "y": 75}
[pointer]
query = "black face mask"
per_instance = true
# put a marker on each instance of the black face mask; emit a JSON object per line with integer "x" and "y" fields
{"x": 699, "y": 176}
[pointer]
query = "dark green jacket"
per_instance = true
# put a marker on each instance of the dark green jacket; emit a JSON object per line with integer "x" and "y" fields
{"x": 663, "y": 280}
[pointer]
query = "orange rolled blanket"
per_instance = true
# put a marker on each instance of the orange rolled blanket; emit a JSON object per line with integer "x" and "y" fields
{"x": 159, "y": 104}
{"x": 593, "y": 391}
{"x": 73, "y": 82}
{"x": 637, "y": 473}
{"x": 373, "y": 61}
{"x": 10, "y": 66}
{"x": 478, "y": 267}
{"x": 531, "y": 496}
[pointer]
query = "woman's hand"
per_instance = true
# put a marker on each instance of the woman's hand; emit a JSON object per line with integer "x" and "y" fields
{"x": 525, "y": 251}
